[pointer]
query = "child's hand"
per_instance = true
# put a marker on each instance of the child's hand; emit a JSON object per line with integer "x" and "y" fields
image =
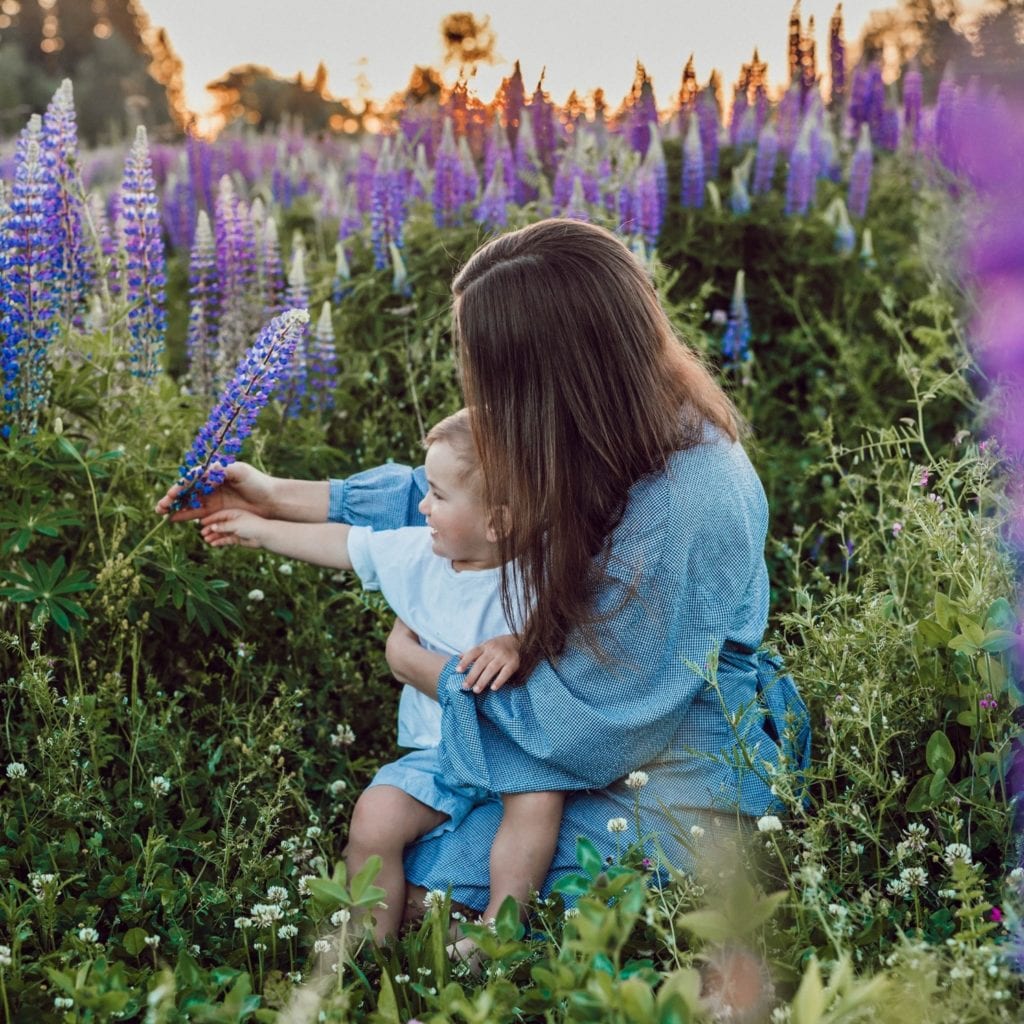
{"x": 491, "y": 664}
{"x": 233, "y": 526}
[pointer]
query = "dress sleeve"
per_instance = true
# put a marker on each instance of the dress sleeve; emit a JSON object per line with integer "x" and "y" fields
{"x": 590, "y": 719}
{"x": 384, "y": 498}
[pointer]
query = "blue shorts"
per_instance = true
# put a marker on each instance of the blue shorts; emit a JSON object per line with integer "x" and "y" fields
{"x": 418, "y": 775}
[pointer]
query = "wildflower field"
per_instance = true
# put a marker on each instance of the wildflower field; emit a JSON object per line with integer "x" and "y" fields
{"x": 184, "y": 731}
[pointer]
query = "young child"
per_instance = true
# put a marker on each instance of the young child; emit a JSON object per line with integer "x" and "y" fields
{"x": 442, "y": 580}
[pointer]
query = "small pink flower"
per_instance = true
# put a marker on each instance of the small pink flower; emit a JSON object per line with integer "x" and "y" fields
{"x": 924, "y": 478}
{"x": 996, "y": 915}
{"x": 897, "y": 528}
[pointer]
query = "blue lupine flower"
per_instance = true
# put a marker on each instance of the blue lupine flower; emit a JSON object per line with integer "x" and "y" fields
{"x": 739, "y": 197}
{"x": 379, "y": 219}
{"x": 767, "y": 156}
{"x": 400, "y": 283}
{"x": 236, "y": 270}
{"x": 255, "y": 381}
{"x": 845, "y": 238}
{"x": 647, "y": 204}
{"x": 323, "y": 363}
{"x": 143, "y": 260}
{"x": 693, "y": 166}
{"x": 60, "y": 154}
{"x": 860, "y": 174}
{"x": 30, "y": 299}
{"x": 801, "y": 180}
{"x": 736, "y": 339}
{"x": 201, "y": 341}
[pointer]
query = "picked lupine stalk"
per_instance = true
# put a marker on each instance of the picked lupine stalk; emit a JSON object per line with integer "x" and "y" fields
{"x": 255, "y": 382}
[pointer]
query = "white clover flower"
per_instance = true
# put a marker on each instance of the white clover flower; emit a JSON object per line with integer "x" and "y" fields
{"x": 571, "y": 912}
{"x": 285, "y": 569}
{"x": 16, "y": 770}
{"x": 914, "y": 877}
{"x": 256, "y": 595}
{"x": 63, "y": 1002}
{"x": 424, "y": 971}
{"x": 194, "y": 949}
{"x": 897, "y": 887}
{"x": 337, "y": 786}
{"x": 152, "y": 941}
{"x": 5, "y": 956}
{"x": 617, "y": 825}
{"x": 88, "y": 935}
{"x": 260, "y": 947}
{"x": 769, "y": 823}
{"x": 696, "y": 831}
{"x": 812, "y": 875}
{"x": 955, "y": 852}
{"x": 637, "y": 780}
{"x": 265, "y": 914}
{"x": 838, "y": 910}
{"x": 946, "y": 894}
{"x": 40, "y": 881}
{"x": 243, "y": 922}
{"x": 277, "y": 894}
{"x": 159, "y": 785}
{"x": 303, "y": 884}
{"x": 295, "y": 977}
{"x": 343, "y": 736}
{"x": 287, "y": 931}
{"x": 313, "y": 831}
{"x": 322, "y": 946}
{"x": 340, "y": 917}
{"x": 401, "y": 979}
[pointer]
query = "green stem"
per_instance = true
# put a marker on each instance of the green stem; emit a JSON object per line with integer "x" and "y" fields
{"x": 134, "y": 551}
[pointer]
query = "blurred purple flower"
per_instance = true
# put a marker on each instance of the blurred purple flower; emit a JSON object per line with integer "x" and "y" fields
{"x": 323, "y": 363}
{"x": 255, "y": 381}
{"x": 801, "y": 180}
{"x": 764, "y": 165}
{"x": 693, "y": 167}
{"x": 860, "y": 174}
{"x": 201, "y": 340}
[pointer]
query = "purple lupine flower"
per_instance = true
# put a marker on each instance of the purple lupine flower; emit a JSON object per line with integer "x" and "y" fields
{"x": 800, "y": 181}
{"x": 236, "y": 271}
{"x": 513, "y": 95}
{"x": 693, "y": 167}
{"x": 254, "y": 383}
{"x": 542, "y": 118}
{"x": 913, "y": 92}
{"x": 625, "y": 208}
{"x": 644, "y": 114}
{"x": 179, "y": 212}
{"x": 709, "y": 119}
{"x": 649, "y": 209}
{"x": 875, "y": 113}
{"x": 656, "y": 159}
{"x": 837, "y": 58}
{"x": 577, "y": 205}
{"x": 767, "y": 157}
{"x": 349, "y": 221}
{"x": 740, "y": 107}
{"x": 201, "y": 340}
{"x": 30, "y": 301}
{"x": 143, "y": 261}
{"x": 790, "y": 107}
{"x": 492, "y": 210}
{"x": 60, "y": 154}
{"x": 469, "y": 180}
{"x": 323, "y": 363}
{"x": 860, "y": 95}
{"x": 528, "y": 165}
{"x": 270, "y": 281}
{"x": 945, "y": 115}
{"x": 497, "y": 148}
{"x": 379, "y": 215}
{"x": 295, "y": 381}
{"x": 736, "y": 339}
{"x": 365, "y": 180}
{"x": 860, "y": 174}
{"x": 447, "y": 184}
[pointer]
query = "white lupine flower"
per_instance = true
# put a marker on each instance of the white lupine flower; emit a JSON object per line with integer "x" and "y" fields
{"x": 277, "y": 894}
{"x": 256, "y": 595}
{"x": 955, "y": 852}
{"x": 769, "y": 823}
{"x": 88, "y": 935}
{"x": 617, "y": 825}
{"x": 159, "y": 785}
{"x": 321, "y": 946}
{"x": 16, "y": 770}
{"x": 340, "y": 917}
{"x": 637, "y": 780}
{"x": 287, "y": 931}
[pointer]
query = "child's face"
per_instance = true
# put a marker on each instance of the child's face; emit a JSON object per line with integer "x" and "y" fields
{"x": 459, "y": 525}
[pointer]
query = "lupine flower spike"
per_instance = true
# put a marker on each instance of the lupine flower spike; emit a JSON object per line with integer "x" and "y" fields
{"x": 693, "y": 166}
{"x": 256, "y": 380}
{"x": 860, "y": 174}
{"x": 142, "y": 239}
{"x": 736, "y": 340}
{"x": 323, "y": 362}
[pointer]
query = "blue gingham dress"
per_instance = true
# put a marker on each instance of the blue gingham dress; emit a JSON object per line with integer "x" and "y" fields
{"x": 691, "y": 543}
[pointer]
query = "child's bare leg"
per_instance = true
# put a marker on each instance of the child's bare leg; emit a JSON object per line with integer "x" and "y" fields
{"x": 522, "y": 852}
{"x": 384, "y": 822}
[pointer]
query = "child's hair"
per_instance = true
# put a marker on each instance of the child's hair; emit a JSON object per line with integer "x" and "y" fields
{"x": 456, "y": 431}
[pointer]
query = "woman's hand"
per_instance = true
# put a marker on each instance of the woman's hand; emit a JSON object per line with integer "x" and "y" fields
{"x": 245, "y": 488}
{"x": 410, "y": 662}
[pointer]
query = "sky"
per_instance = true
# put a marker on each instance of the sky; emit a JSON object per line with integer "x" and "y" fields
{"x": 370, "y": 46}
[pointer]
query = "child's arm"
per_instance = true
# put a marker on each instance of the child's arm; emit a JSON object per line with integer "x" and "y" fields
{"x": 323, "y": 544}
{"x": 494, "y": 663}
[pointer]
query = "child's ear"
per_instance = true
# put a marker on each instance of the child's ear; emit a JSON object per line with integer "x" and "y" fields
{"x": 497, "y": 524}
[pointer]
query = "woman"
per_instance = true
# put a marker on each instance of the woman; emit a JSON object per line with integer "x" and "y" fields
{"x": 633, "y": 531}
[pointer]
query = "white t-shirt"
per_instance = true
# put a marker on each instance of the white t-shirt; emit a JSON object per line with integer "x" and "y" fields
{"x": 449, "y": 611}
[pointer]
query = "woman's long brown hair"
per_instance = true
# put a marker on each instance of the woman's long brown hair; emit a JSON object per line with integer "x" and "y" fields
{"x": 578, "y": 387}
